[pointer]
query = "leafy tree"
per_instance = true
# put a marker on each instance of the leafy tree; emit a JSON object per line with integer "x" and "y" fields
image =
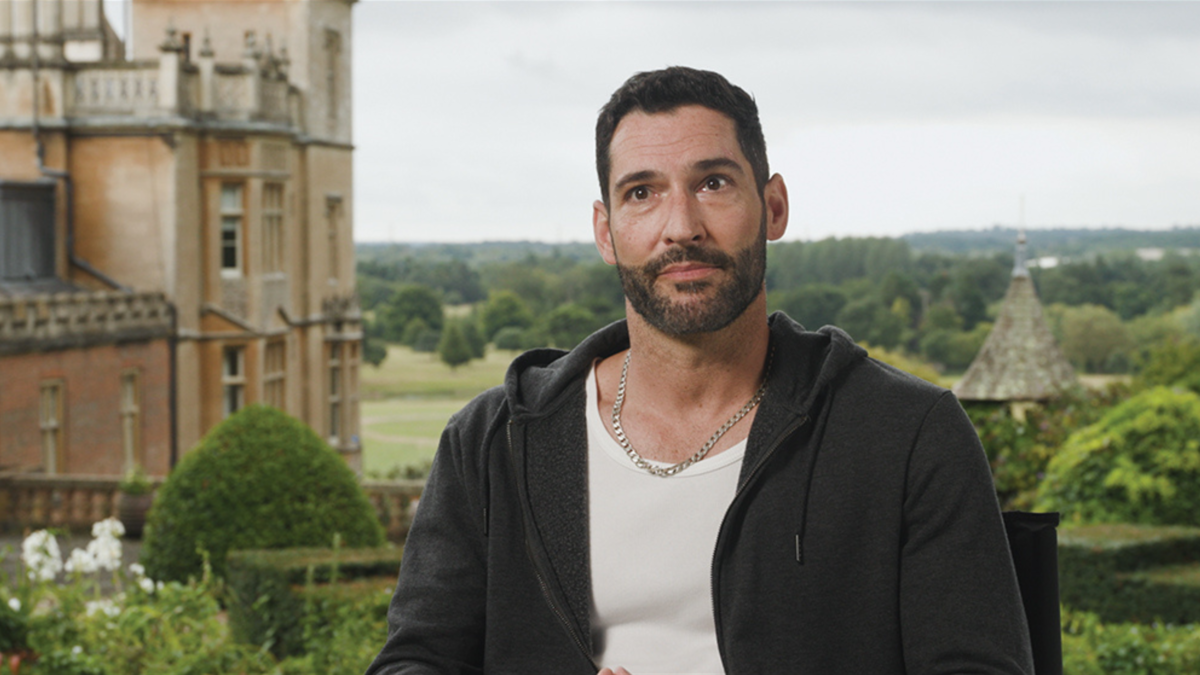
{"x": 569, "y": 324}
{"x": 374, "y": 351}
{"x": 1172, "y": 363}
{"x": 474, "y": 337}
{"x": 510, "y": 338}
{"x": 1139, "y": 464}
{"x": 411, "y": 301}
{"x": 504, "y": 309}
{"x": 1092, "y": 335}
{"x": 453, "y": 348}
{"x": 413, "y": 331}
{"x": 813, "y": 305}
{"x": 954, "y": 349}
{"x": 867, "y": 320}
{"x": 942, "y": 317}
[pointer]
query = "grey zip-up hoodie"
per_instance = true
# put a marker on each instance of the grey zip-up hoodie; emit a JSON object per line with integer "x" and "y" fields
{"x": 864, "y": 538}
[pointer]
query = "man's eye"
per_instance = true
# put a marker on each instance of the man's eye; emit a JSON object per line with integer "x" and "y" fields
{"x": 639, "y": 193}
{"x": 715, "y": 182}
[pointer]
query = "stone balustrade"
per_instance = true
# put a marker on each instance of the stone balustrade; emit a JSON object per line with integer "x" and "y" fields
{"x": 81, "y": 319}
{"x": 396, "y": 502}
{"x": 34, "y": 501}
{"x": 125, "y": 89}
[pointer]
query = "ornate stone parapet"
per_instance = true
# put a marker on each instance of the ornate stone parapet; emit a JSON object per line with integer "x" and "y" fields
{"x": 342, "y": 307}
{"x": 396, "y": 503}
{"x": 129, "y": 88}
{"x": 67, "y": 320}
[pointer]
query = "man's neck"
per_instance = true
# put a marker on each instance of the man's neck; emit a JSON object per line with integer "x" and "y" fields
{"x": 681, "y": 389}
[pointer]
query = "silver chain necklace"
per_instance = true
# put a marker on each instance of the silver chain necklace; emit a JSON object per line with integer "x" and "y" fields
{"x": 666, "y": 472}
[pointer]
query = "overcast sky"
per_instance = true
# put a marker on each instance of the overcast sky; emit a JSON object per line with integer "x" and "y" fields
{"x": 474, "y": 121}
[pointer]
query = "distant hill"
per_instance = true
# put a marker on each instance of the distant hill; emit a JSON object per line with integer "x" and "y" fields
{"x": 1065, "y": 242}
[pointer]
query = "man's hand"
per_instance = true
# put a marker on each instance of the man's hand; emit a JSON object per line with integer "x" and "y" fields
{"x": 610, "y": 671}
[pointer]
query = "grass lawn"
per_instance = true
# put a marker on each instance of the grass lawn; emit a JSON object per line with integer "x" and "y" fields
{"x": 407, "y": 400}
{"x": 408, "y": 373}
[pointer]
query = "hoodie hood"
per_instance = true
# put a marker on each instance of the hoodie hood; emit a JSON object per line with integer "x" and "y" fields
{"x": 805, "y": 363}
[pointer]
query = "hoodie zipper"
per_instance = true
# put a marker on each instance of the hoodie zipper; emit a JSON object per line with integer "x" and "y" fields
{"x": 750, "y": 478}
{"x": 551, "y": 599}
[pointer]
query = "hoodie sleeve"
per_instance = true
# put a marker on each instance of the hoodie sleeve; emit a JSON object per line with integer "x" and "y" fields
{"x": 960, "y": 606}
{"x": 436, "y": 617}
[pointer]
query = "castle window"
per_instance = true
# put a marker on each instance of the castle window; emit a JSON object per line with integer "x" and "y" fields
{"x": 233, "y": 379}
{"x": 231, "y": 229}
{"x": 333, "y": 214}
{"x": 335, "y": 393}
{"x": 26, "y": 230}
{"x": 50, "y": 416}
{"x": 272, "y": 227}
{"x": 131, "y": 437}
{"x": 274, "y": 374}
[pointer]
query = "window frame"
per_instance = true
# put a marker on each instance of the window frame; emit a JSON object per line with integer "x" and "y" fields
{"x": 52, "y": 410}
{"x": 236, "y": 218}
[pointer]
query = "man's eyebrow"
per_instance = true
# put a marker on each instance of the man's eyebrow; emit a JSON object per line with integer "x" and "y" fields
{"x": 718, "y": 163}
{"x": 635, "y": 177}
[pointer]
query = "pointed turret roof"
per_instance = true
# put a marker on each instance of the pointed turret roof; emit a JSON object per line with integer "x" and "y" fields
{"x": 1020, "y": 360}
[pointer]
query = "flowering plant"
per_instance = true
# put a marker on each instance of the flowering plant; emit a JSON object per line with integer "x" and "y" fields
{"x": 136, "y": 483}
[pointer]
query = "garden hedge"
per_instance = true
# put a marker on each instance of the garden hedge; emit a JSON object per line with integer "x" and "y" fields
{"x": 259, "y": 480}
{"x": 269, "y": 589}
{"x": 1140, "y": 463}
{"x": 1131, "y": 573}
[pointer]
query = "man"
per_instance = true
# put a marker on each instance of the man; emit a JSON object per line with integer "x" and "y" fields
{"x": 701, "y": 488}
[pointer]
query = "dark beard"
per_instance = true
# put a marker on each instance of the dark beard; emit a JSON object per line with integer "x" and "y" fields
{"x": 748, "y": 265}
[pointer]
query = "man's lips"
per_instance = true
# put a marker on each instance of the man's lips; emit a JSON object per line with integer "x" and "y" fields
{"x": 688, "y": 271}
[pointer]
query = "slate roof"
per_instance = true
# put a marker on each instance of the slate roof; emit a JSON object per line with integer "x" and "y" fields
{"x": 1020, "y": 360}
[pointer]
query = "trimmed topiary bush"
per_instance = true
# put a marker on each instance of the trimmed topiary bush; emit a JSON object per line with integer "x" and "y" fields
{"x": 1139, "y": 464}
{"x": 261, "y": 479}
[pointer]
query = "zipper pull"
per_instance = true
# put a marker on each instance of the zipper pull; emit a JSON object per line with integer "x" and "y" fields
{"x": 799, "y": 550}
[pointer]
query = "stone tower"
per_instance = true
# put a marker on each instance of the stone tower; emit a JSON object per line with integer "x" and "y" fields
{"x": 213, "y": 171}
{"x": 1020, "y": 360}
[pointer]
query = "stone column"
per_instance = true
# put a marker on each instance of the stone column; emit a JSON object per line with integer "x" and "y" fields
{"x": 22, "y": 28}
{"x": 206, "y": 64}
{"x": 49, "y": 28}
{"x": 168, "y": 72}
{"x": 6, "y": 10}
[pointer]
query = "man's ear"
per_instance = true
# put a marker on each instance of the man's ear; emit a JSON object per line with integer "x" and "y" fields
{"x": 775, "y": 200}
{"x": 600, "y": 230}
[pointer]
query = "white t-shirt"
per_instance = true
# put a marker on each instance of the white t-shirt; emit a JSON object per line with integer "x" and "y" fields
{"x": 652, "y": 543}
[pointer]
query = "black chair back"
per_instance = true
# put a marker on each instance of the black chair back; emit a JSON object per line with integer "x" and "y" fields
{"x": 1033, "y": 540}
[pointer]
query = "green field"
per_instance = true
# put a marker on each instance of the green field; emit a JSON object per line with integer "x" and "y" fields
{"x": 408, "y": 399}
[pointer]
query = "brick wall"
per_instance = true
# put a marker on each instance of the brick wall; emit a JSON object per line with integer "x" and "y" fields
{"x": 92, "y": 422}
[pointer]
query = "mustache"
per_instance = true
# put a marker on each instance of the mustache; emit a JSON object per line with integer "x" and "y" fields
{"x": 706, "y": 256}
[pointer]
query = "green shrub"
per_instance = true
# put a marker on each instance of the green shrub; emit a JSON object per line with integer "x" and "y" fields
{"x": 1094, "y": 648}
{"x": 1123, "y": 573}
{"x": 260, "y": 479}
{"x": 264, "y": 607}
{"x": 1139, "y": 464}
{"x": 1019, "y": 450}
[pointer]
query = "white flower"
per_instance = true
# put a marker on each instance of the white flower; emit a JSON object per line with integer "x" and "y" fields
{"x": 76, "y": 650}
{"x": 137, "y": 570}
{"x": 146, "y": 584}
{"x": 104, "y": 605}
{"x": 81, "y": 561}
{"x": 15, "y": 604}
{"x": 106, "y": 551}
{"x": 41, "y": 556}
{"x": 109, "y": 527}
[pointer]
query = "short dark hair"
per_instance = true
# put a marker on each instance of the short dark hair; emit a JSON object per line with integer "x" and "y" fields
{"x": 670, "y": 88}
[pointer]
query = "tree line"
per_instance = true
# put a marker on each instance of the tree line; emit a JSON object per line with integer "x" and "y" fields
{"x": 928, "y": 303}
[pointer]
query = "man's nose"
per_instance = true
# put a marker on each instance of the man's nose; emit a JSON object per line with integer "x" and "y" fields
{"x": 685, "y": 222}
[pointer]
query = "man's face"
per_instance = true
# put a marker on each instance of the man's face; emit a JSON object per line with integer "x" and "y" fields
{"x": 686, "y": 226}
